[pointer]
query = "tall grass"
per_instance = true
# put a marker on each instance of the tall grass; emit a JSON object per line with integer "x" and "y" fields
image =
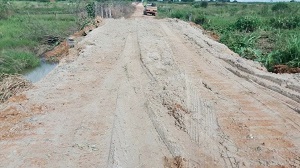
{"x": 288, "y": 55}
{"x": 27, "y": 27}
{"x": 16, "y": 61}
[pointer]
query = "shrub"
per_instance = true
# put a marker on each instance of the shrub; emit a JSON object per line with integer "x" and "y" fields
{"x": 286, "y": 22}
{"x": 281, "y": 6}
{"x": 288, "y": 55}
{"x": 241, "y": 44}
{"x": 196, "y": 5}
{"x": 179, "y": 14}
{"x": 247, "y": 24}
{"x": 90, "y": 9}
{"x": 204, "y": 4}
{"x": 291, "y": 54}
{"x": 200, "y": 19}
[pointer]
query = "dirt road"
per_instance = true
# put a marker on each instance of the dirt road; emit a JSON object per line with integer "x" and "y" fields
{"x": 143, "y": 92}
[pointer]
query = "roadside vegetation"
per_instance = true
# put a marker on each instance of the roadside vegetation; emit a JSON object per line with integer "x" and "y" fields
{"x": 30, "y": 28}
{"x": 265, "y": 32}
{"x": 27, "y": 29}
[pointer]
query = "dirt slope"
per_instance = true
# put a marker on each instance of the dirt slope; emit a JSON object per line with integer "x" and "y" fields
{"x": 152, "y": 93}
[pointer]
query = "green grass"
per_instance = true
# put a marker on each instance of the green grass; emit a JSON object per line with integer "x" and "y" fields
{"x": 27, "y": 26}
{"x": 31, "y": 27}
{"x": 12, "y": 61}
{"x": 254, "y": 30}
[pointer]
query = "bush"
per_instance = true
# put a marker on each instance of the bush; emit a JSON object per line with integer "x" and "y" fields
{"x": 90, "y": 9}
{"x": 241, "y": 44}
{"x": 196, "y": 5}
{"x": 247, "y": 24}
{"x": 291, "y": 54}
{"x": 286, "y": 22}
{"x": 179, "y": 14}
{"x": 288, "y": 55}
{"x": 281, "y": 6}
{"x": 200, "y": 19}
{"x": 204, "y": 4}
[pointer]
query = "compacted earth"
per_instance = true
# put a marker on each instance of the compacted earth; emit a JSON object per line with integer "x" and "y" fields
{"x": 143, "y": 92}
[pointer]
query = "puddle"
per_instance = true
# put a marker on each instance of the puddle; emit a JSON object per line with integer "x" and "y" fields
{"x": 39, "y": 72}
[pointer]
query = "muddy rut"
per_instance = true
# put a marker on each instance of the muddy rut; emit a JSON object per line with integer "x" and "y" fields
{"x": 143, "y": 92}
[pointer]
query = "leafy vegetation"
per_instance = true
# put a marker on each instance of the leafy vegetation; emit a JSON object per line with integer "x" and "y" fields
{"x": 200, "y": 19}
{"x": 247, "y": 24}
{"x": 264, "y": 32}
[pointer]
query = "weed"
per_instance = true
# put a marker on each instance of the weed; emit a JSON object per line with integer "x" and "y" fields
{"x": 247, "y": 24}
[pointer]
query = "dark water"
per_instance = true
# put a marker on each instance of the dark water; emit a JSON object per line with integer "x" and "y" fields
{"x": 39, "y": 72}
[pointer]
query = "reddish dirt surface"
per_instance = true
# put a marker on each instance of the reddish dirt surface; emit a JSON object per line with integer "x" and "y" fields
{"x": 62, "y": 50}
{"x": 142, "y": 92}
{"x": 285, "y": 69}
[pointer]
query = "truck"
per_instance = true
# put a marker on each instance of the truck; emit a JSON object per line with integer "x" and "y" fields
{"x": 150, "y": 9}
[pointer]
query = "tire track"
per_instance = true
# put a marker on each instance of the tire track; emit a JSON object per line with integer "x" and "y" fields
{"x": 129, "y": 136}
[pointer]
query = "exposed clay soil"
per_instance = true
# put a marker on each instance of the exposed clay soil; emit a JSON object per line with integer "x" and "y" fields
{"x": 285, "y": 69}
{"x": 142, "y": 92}
{"x": 62, "y": 50}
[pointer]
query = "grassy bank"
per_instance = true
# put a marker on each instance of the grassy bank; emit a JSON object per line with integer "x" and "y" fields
{"x": 29, "y": 28}
{"x": 265, "y": 32}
